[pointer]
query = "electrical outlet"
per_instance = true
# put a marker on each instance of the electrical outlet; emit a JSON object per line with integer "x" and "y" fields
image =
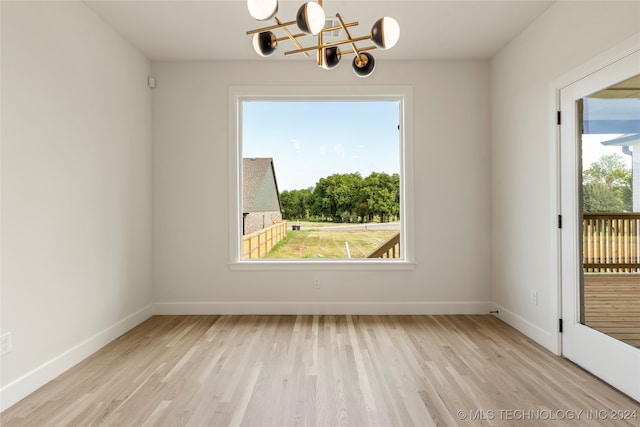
{"x": 534, "y": 297}
{"x": 316, "y": 283}
{"x": 5, "y": 344}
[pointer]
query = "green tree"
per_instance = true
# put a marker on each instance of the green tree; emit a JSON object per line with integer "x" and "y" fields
{"x": 335, "y": 196}
{"x": 606, "y": 185}
{"x": 295, "y": 204}
{"x": 381, "y": 193}
{"x": 323, "y": 204}
{"x": 599, "y": 198}
{"x": 346, "y": 194}
{"x": 346, "y": 198}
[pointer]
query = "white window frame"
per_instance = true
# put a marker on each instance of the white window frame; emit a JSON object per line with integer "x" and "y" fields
{"x": 240, "y": 94}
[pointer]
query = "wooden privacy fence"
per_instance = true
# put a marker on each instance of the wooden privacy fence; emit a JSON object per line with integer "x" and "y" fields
{"x": 259, "y": 243}
{"x": 611, "y": 242}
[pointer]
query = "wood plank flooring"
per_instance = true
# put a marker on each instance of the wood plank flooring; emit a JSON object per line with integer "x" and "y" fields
{"x": 323, "y": 371}
{"x": 612, "y": 305}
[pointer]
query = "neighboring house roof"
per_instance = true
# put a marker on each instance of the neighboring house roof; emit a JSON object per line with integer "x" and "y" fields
{"x": 624, "y": 140}
{"x": 259, "y": 186}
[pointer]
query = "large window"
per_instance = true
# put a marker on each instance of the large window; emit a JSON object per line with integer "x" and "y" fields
{"x": 320, "y": 178}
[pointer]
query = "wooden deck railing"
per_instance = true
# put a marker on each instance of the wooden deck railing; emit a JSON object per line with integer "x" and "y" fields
{"x": 389, "y": 249}
{"x": 259, "y": 243}
{"x": 611, "y": 242}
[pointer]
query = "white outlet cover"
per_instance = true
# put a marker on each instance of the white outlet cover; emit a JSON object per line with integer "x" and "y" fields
{"x": 5, "y": 344}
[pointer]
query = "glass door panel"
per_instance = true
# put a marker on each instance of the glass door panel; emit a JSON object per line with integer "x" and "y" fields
{"x": 609, "y": 128}
{"x": 599, "y": 198}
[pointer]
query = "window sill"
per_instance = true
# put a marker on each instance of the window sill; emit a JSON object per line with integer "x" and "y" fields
{"x": 321, "y": 265}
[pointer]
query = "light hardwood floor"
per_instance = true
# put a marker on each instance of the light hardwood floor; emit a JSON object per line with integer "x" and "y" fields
{"x": 323, "y": 371}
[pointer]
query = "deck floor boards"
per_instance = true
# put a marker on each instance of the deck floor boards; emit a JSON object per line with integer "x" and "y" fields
{"x": 612, "y": 305}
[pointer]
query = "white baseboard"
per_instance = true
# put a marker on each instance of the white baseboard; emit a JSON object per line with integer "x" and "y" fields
{"x": 541, "y": 336}
{"x": 284, "y": 308}
{"x": 27, "y": 384}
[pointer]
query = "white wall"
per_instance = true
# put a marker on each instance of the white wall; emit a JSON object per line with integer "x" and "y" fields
{"x": 76, "y": 184}
{"x": 523, "y": 186}
{"x": 191, "y": 181}
{"x": 76, "y": 189}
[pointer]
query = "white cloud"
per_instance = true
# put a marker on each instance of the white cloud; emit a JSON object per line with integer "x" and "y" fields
{"x": 296, "y": 145}
{"x": 323, "y": 149}
{"x": 339, "y": 150}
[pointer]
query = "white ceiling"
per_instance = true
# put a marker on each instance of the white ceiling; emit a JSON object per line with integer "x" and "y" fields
{"x": 216, "y": 29}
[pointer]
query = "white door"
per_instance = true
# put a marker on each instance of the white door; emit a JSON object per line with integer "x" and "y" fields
{"x": 597, "y": 123}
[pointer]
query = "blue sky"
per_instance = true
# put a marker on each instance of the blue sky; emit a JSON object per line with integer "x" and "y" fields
{"x": 313, "y": 139}
{"x": 593, "y": 149}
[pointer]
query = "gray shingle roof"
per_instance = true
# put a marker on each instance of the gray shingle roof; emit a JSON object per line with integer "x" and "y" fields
{"x": 259, "y": 185}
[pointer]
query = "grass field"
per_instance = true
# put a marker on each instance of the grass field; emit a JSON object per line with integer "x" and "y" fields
{"x": 318, "y": 243}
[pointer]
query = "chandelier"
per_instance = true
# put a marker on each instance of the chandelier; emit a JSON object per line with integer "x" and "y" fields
{"x": 310, "y": 20}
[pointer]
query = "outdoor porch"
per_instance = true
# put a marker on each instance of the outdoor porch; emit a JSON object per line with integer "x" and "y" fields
{"x": 611, "y": 260}
{"x": 612, "y": 305}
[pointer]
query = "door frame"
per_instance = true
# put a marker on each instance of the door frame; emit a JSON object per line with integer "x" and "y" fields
{"x": 611, "y": 56}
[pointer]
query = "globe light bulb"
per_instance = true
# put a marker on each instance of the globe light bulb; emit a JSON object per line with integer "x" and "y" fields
{"x": 262, "y": 9}
{"x": 331, "y": 57}
{"x": 265, "y": 43}
{"x": 363, "y": 64}
{"x": 310, "y": 18}
{"x": 385, "y": 33}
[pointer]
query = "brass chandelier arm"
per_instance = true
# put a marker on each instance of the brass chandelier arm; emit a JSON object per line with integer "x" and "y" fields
{"x": 285, "y": 24}
{"x": 321, "y": 43}
{"x": 360, "y": 49}
{"x": 320, "y": 55}
{"x": 346, "y": 31}
{"x": 340, "y": 27}
{"x": 293, "y": 39}
{"x": 295, "y": 36}
{"x": 331, "y": 44}
{"x": 272, "y": 27}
